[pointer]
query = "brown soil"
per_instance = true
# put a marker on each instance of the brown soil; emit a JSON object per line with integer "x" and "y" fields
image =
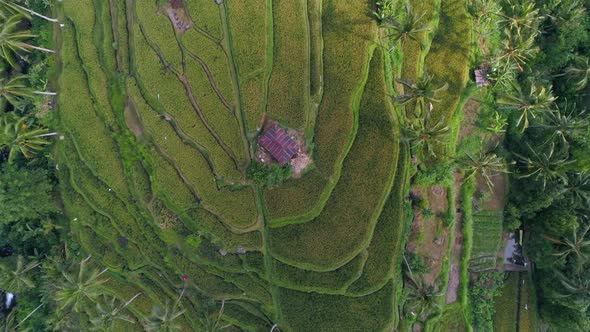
{"x": 132, "y": 119}
{"x": 429, "y": 238}
{"x": 470, "y": 111}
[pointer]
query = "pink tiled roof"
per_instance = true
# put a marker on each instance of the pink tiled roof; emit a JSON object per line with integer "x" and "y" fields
{"x": 280, "y": 145}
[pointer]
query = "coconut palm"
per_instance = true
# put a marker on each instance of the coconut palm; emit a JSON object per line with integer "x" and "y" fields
{"x": 425, "y": 133}
{"x": 545, "y": 166}
{"x": 562, "y": 124}
{"x": 79, "y": 284}
{"x": 164, "y": 319}
{"x": 420, "y": 92}
{"x": 17, "y": 136}
{"x": 11, "y": 324}
{"x": 579, "y": 71}
{"x": 407, "y": 27}
{"x": 577, "y": 247}
{"x": 484, "y": 163}
{"x": 577, "y": 189}
{"x": 9, "y": 7}
{"x": 212, "y": 322}
{"x": 527, "y": 103}
{"x": 17, "y": 279}
{"x": 12, "y": 90}
{"x": 576, "y": 291}
{"x": 12, "y": 40}
{"x": 519, "y": 16}
{"x": 515, "y": 51}
{"x": 109, "y": 311}
{"x": 422, "y": 297}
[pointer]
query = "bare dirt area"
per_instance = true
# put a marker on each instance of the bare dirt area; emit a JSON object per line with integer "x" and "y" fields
{"x": 429, "y": 238}
{"x": 132, "y": 119}
{"x": 178, "y": 16}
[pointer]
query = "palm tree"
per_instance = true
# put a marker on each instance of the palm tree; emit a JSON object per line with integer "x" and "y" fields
{"x": 78, "y": 285}
{"x": 580, "y": 71}
{"x": 563, "y": 125}
{"x": 9, "y": 7}
{"x": 520, "y": 15}
{"x": 17, "y": 136}
{"x": 577, "y": 189}
{"x": 577, "y": 291}
{"x": 408, "y": 27}
{"x": 211, "y": 323}
{"x": 422, "y": 297}
{"x": 12, "y": 90}
{"x": 515, "y": 51}
{"x": 419, "y": 92}
{"x": 11, "y": 324}
{"x": 425, "y": 133}
{"x": 577, "y": 247}
{"x": 163, "y": 319}
{"x": 108, "y": 311}
{"x": 12, "y": 40}
{"x": 527, "y": 103}
{"x": 544, "y": 166}
{"x": 485, "y": 163}
{"x": 17, "y": 279}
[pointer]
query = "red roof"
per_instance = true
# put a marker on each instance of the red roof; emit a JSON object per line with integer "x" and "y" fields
{"x": 280, "y": 145}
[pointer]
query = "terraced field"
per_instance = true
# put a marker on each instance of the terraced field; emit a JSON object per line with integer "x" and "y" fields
{"x": 160, "y": 104}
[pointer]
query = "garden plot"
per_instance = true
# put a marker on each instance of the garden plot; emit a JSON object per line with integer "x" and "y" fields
{"x": 487, "y": 239}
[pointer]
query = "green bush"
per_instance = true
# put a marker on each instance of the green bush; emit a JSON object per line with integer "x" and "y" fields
{"x": 264, "y": 176}
{"x": 481, "y": 297}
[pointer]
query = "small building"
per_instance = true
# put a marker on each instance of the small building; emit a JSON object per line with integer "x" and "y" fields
{"x": 481, "y": 77}
{"x": 279, "y": 144}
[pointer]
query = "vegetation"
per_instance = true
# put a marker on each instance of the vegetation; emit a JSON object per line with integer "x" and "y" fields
{"x": 131, "y": 198}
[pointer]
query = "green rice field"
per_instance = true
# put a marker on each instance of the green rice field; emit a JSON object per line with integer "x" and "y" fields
{"x": 160, "y": 106}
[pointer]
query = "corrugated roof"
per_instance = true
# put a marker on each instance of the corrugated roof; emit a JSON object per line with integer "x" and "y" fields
{"x": 280, "y": 145}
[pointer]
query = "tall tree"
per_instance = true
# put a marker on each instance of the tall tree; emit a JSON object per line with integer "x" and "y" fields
{"x": 16, "y": 278}
{"x": 12, "y": 40}
{"x": 579, "y": 71}
{"x": 544, "y": 166}
{"x": 9, "y": 7}
{"x": 528, "y": 103}
{"x": 564, "y": 124}
{"x": 109, "y": 311}
{"x": 18, "y": 136}
{"x": 485, "y": 164}
{"x": 420, "y": 92}
{"x": 79, "y": 284}
{"x": 405, "y": 28}
{"x": 576, "y": 247}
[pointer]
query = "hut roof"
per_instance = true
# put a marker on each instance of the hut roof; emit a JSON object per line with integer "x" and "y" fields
{"x": 481, "y": 77}
{"x": 280, "y": 145}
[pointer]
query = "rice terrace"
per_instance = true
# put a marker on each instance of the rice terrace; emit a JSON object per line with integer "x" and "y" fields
{"x": 294, "y": 165}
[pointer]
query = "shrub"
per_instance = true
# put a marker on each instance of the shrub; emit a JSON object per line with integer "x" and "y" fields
{"x": 264, "y": 176}
{"x": 481, "y": 295}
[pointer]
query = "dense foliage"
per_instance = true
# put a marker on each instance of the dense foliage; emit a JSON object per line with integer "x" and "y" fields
{"x": 481, "y": 296}
{"x": 539, "y": 77}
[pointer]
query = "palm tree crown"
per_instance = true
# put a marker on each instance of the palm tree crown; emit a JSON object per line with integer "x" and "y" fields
{"x": 12, "y": 40}
{"x": 17, "y": 136}
{"x": 406, "y": 28}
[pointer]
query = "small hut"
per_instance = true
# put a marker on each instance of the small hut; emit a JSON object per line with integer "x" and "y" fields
{"x": 279, "y": 144}
{"x": 481, "y": 77}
